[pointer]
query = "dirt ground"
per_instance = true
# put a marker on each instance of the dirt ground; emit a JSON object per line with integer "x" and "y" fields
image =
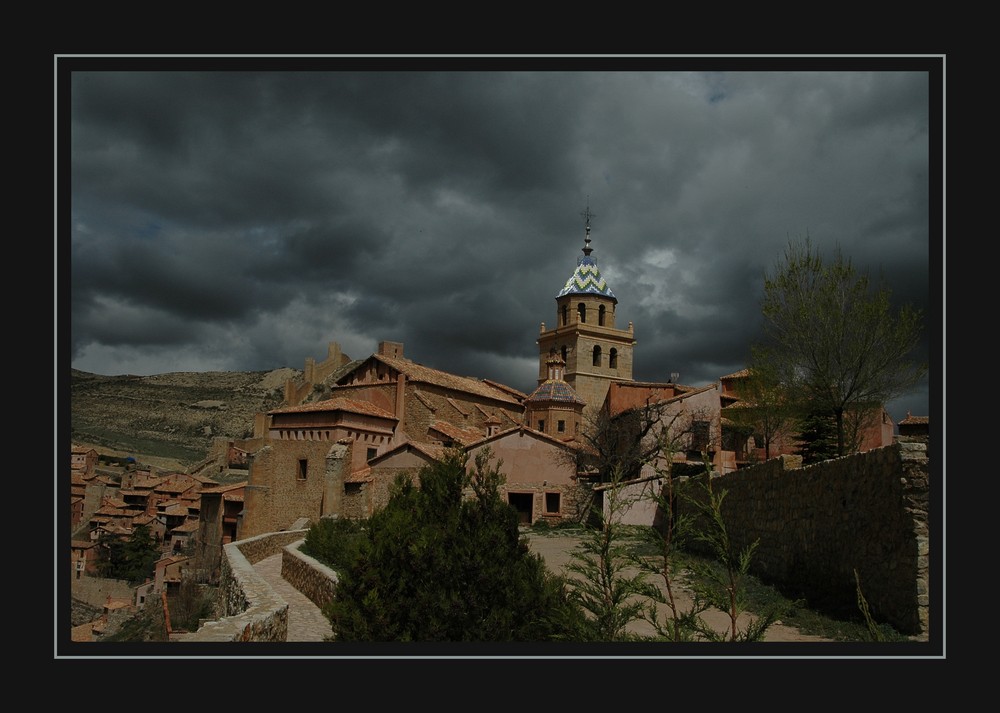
{"x": 555, "y": 549}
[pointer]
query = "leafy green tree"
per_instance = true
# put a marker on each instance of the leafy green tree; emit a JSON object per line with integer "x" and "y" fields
{"x": 833, "y": 340}
{"x": 131, "y": 558}
{"x": 437, "y": 566}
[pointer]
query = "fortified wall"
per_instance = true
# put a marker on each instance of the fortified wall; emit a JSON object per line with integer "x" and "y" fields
{"x": 251, "y": 609}
{"x": 818, "y": 524}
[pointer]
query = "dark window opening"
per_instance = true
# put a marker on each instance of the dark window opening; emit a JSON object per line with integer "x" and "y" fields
{"x": 372, "y": 452}
{"x": 564, "y": 353}
{"x": 541, "y": 424}
{"x": 523, "y": 503}
{"x": 561, "y": 426}
{"x": 303, "y": 465}
{"x": 699, "y": 435}
{"x": 582, "y": 309}
{"x": 552, "y": 502}
{"x": 613, "y": 358}
{"x": 565, "y": 314}
{"x": 600, "y": 315}
{"x": 597, "y": 356}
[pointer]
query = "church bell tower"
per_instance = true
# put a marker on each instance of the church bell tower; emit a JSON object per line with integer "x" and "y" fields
{"x": 594, "y": 351}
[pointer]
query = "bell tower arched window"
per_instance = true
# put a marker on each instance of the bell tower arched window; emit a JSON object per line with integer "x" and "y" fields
{"x": 564, "y": 353}
{"x": 600, "y": 315}
{"x": 613, "y": 358}
{"x": 597, "y": 355}
{"x": 565, "y": 315}
{"x": 582, "y": 309}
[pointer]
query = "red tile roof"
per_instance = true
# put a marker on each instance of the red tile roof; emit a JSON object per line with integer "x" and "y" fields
{"x": 466, "y": 384}
{"x": 338, "y": 404}
{"x": 455, "y": 433}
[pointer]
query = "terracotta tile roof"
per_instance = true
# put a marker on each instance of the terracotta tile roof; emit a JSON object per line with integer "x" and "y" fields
{"x": 455, "y": 433}
{"x": 138, "y": 493}
{"x": 913, "y": 420}
{"x": 424, "y": 400}
{"x": 737, "y": 375}
{"x": 186, "y": 526}
{"x": 519, "y": 395}
{"x": 419, "y": 373}
{"x": 574, "y": 445}
{"x": 110, "y": 510}
{"x": 338, "y": 404}
{"x": 434, "y": 451}
{"x": 363, "y": 475}
{"x": 175, "y": 488}
{"x": 224, "y": 488}
{"x": 147, "y": 481}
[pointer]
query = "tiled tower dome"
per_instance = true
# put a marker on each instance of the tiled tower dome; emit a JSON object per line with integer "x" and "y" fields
{"x": 587, "y": 279}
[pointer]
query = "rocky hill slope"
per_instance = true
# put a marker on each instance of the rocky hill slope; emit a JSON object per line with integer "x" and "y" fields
{"x": 170, "y": 420}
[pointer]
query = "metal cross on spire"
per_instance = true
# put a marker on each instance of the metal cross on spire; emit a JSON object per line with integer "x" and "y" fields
{"x": 587, "y": 216}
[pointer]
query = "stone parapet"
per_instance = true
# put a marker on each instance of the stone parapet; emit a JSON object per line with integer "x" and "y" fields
{"x": 252, "y": 610}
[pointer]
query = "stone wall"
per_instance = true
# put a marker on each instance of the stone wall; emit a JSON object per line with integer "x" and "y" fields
{"x": 310, "y": 576}
{"x": 251, "y": 609}
{"x": 276, "y": 495}
{"x": 96, "y": 590}
{"x": 818, "y": 524}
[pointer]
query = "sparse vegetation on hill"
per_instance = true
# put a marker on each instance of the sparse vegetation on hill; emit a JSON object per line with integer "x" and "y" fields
{"x": 170, "y": 418}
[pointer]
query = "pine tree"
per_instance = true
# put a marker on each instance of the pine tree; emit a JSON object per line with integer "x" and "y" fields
{"x": 437, "y": 566}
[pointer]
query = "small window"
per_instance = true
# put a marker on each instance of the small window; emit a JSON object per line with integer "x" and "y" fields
{"x": 561, "y": 426}
{"x": 600, "y": 315}
{"x": 565, "y": 315}
{"x": 582, "y": 309}
{"x": 613, "y": 358}
{"x": 699, "y": 435}
{"x": 552, "y": 503}
{"x": 564, "y": 353}
{"x": 597, "y": 356}
{"x": 303, "y": 465}
{"x": 541, "y": 424}
{"x": 372, "y": 452}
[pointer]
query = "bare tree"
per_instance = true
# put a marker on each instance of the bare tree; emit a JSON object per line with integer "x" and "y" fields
{"x": 764, "y": 408}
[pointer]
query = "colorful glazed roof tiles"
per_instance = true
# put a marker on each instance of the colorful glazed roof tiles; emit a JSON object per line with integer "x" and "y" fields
{"x": 586, "y": 279}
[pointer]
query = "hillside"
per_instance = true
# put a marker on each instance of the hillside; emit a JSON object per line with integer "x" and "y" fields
{"x": 170, "y": 420}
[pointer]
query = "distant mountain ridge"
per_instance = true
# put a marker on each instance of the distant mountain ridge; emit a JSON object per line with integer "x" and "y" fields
{"x": 172, "y": 417}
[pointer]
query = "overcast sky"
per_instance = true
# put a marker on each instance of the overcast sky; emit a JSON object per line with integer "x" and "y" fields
{"x": 240, "y": 220}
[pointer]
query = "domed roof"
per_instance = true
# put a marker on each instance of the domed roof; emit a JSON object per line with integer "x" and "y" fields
{"x": 587, "y": 279}
{"x": 555, "y": 390}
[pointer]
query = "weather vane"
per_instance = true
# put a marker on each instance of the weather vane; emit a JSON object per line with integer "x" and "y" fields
{"x": 587, "y": 214}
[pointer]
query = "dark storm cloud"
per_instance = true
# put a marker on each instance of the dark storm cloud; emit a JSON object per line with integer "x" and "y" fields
{"x": 241, "y": 220}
